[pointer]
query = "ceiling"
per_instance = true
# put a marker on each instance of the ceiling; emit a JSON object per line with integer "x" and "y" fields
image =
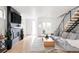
{"x": 41, "y": 11}
{"x": 43, "y": 14}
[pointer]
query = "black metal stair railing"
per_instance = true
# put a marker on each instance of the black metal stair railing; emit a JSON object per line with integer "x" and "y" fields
{"x": 66, "y": 17}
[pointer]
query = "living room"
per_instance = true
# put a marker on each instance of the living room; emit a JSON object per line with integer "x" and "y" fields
{"x": 34, "y": 24}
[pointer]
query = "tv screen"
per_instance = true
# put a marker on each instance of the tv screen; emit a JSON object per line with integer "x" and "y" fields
{"x": 15, "y": 18}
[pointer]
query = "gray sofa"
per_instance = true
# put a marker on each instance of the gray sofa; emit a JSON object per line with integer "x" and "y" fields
{"x": 67, "y": 44}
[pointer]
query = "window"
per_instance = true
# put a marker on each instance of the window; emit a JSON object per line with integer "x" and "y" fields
{"x": 1, "y": 14}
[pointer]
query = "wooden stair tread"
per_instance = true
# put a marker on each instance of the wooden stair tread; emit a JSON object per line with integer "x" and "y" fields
{"x": 77, "y": 10}
{"x": 69, "y": 23}
{"x": 75, "y": 17}
{"x": 76, "y": 13}
{"x": 67, "y": 27}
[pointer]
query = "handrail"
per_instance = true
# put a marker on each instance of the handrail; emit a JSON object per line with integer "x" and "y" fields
{"x": 73, "y": 9}
{"x": 69, "y": 12}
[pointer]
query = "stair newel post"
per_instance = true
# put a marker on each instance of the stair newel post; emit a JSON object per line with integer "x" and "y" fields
{"x": 70, "y": 15}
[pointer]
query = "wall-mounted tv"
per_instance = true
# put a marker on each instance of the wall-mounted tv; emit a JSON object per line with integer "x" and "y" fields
{"x": 15, "y": 18}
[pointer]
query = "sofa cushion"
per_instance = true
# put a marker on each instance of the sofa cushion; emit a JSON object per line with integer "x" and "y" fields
{"x": 72, "y": 36}
{"x": 74, "y": 43}
{"x": 64, "y": 35}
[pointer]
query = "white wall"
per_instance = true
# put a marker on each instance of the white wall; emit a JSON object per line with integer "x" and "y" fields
{"x": 3, "y": 21}
{"x": 27, "y": 26}
{"x": 49, "y": 24}
{"x": 40, "y": 15}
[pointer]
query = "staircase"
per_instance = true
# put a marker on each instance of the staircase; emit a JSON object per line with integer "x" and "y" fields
{"x": 73, "y": 22}
{"x": 69, "y": 22}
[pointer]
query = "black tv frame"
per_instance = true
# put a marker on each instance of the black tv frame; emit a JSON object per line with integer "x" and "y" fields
{"x": 15, "y": 18}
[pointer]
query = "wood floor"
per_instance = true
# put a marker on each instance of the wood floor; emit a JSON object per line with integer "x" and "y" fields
{"x": 32, "y": 45}
{"x": 21, "y": 46}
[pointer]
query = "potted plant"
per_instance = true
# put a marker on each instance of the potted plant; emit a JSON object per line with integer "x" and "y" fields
{"x": 8, "y": 41}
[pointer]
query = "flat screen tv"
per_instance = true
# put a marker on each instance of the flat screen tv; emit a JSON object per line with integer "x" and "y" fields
{"x": 15, "y": 18}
